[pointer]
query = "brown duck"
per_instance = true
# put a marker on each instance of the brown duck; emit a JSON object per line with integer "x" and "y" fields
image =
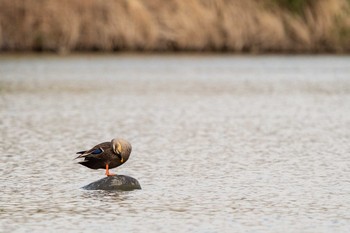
{"x": 106, "y": 155}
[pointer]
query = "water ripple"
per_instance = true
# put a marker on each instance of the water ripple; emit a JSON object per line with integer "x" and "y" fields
{"x": 222, "y": 144}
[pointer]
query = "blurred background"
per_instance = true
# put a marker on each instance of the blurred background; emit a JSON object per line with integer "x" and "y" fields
{"x": 291, "y": 26}
{"x": 238, "y": 113}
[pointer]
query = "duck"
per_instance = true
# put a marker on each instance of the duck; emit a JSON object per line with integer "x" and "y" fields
{"x": 106, "y": 155}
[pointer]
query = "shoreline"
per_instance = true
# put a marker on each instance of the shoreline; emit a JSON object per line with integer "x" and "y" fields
{"x": 165, "y": 54}
{"x": 239, "y": 27}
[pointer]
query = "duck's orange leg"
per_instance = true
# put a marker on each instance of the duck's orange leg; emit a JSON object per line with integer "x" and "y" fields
{"x": 107, "y": 171}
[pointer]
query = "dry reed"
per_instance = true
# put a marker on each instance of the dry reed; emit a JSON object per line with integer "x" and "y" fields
{"x": 172, "y": 25}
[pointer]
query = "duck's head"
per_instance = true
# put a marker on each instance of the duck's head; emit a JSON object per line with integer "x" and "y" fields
{"x": 121, "y": 148}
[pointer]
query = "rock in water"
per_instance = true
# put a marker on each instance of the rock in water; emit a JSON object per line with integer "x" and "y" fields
{"x": 117, "y": 182}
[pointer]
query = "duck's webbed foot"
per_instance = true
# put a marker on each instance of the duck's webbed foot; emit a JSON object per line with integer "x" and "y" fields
{"x": 107, "y": 172}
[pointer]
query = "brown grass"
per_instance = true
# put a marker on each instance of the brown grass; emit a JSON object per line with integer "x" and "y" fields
{"x": 172, "y": 25}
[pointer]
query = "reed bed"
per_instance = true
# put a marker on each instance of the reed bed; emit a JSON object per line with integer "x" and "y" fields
{"x": 175, "y": 25}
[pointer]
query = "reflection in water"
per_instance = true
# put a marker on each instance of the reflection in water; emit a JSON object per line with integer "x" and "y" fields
{"x": 220, "y": 144}
{"x": 114, "y": 197}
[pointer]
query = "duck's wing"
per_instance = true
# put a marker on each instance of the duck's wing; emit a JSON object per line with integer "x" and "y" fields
{"x": 93, "y": 162}
{"x": 95, "y": 151}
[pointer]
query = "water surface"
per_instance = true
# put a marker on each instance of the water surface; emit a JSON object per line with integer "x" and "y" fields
{"x": 220, "y": 143}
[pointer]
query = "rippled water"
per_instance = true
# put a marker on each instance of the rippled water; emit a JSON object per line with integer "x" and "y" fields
{"x": 220, "y": 143}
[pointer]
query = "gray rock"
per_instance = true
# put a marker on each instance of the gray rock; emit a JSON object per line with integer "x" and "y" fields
{"x": 117, "y": 182}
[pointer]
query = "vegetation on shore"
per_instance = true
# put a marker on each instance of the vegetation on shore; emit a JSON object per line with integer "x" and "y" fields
{"x": 298, "y": 26}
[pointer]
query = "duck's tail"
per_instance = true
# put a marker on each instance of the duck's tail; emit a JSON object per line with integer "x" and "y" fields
{"x": 81, "y": 154}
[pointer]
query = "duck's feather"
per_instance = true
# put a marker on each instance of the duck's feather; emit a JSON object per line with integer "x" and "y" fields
{"x": 96, "y": 150}
{"x": 93, "y": 163}
{"x": 105, "y": 154}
